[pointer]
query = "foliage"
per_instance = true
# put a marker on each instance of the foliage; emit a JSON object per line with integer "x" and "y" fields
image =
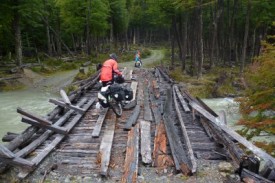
{"x": 258, "y": 105}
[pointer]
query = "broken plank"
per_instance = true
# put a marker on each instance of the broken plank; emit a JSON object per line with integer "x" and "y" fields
{"x": 106, "y": 145}
{"x": 62, "y": 104}
{"x": 131, "y": 160}
{"x": 99, "y": 123}
{"x": 34, "y": 117}
{"x": 133, "y": 118}
{"x": 145, "y": 141}
{"x": 56, "y": 129}
{"x": 65, "y": 97}
{"x": 181, "y": 99}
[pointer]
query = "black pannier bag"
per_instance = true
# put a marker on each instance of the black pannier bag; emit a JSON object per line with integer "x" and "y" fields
{"x": 128, "y": 93}
{"x": 117, "y": 92}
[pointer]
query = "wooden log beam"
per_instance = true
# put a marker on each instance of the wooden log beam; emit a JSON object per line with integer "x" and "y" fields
{"x": 34, "y": 117}
{"x": 9, "y": 137}
{"x": 99, "y": 122}
{"x": 106, "y": 145}
{"x": 56, "y": 129}
{"x": 179, "y": 155}
{"x": 133, "y": 118}
{"x": 18, "y": 162}
{"x": 185, "y": 135}
{"x": 131, "y": 160}
{"x": 6, "y": 153}
{"x": 259, "y": 152}
{"x": 145, "y": 141}
{"x": 181, "y": 99}
{"x": 63, "y": 104}
{"x": 9, "y": 157}
{"x": 34, "y": 144}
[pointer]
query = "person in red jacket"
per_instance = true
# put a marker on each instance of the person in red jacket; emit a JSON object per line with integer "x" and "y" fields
{"x": 109, "y": 68}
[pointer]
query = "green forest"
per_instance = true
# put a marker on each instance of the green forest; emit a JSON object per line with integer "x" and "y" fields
{"x": 235, "y": 39}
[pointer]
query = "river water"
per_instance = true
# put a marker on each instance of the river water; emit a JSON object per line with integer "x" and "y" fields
{"x": 35, "y": 99}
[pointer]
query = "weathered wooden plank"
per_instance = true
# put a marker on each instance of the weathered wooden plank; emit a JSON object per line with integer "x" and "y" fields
{"x": 56, "y": 129}
{"x": 99, "y": 123}
{"x": 147, "y": 110}
{"x": 145, "y": 141}
{"x": 134, "y": 86}
{"x": 34, "y": 144}
{"x": 181, "y": 99}
{"x": 133, "y": 118}
{"x": 78, "y": 116}
{"x": 34, "y": 117}
{"x": 179, "y": 155}
{"x": 186, "y": 138}
{"x": 62, "y": 104}
{"x": 155, "y": 89}
{"x": 72, "y": 151}
{"x": 106, "y": 145}
{"x": 131, "y": 160}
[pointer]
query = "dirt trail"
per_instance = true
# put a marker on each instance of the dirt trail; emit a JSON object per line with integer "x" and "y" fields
{"x": 156, "y": 55}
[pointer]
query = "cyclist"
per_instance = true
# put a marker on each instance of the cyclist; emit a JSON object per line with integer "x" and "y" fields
{"x": 137, "y": 57}
{"x": 109, "y": 68}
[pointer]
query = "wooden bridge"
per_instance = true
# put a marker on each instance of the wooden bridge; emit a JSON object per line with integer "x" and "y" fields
{"x": 162, "y": 126}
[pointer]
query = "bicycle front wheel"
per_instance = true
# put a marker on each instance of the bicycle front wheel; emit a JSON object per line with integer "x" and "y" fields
{"x": 117, "y": 108}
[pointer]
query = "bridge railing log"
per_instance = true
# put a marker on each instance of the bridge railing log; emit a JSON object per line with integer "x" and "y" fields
{"x": 228, "y": 136}
{"x": 27, "y": 134}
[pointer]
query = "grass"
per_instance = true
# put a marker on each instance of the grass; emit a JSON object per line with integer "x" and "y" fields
{"x": 204, "y": 86}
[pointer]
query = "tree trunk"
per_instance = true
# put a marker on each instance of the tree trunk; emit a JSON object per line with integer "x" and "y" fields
{"x": 245, "y": 37}
{"x": 200, "y": 41}
{"x": 172, "y": 46}
{"x": 231, "y": 34}
{"x": 183, "y": 66}
{"x": 17, "y": 34}
{"x": 88, "y": 36}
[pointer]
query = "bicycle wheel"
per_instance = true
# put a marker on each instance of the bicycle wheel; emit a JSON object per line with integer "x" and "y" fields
{"x": 117, "y": 108}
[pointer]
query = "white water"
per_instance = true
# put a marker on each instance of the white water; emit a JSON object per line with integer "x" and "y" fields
{"x": 228, "y": 105}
